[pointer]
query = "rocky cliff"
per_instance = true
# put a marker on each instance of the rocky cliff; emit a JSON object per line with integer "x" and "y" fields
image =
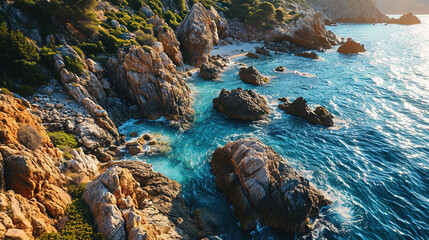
{"x": 354, "y": 11}
{"x": 148, "y": 78}
{"x": 199, "y": 32}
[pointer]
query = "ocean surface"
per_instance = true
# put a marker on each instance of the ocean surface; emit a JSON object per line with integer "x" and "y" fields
{"x": 373, "y": 164}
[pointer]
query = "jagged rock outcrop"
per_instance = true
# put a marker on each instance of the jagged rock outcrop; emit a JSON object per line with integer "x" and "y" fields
{"x": 351, "y": 47}
{"x": 30, "y": 164}
{"x": 263, "y": 187}
{"x": 406, "y": 19}
{"x": 355, "y": 11}
{"x": 149, "y": 79}
{"x": 168, "y": 39}
{"x": 88, "y": 90}
{"x": 83, "y": 166}
{"x": 129, "y": 199}
{"x": 252, "y": 75}
{"x": 309, "y": 31}
{"x": 299, "y": 108}
{"x": 198, "y": 32}
{"x": 21, "y": 218}
{"x": 242, "y": 104}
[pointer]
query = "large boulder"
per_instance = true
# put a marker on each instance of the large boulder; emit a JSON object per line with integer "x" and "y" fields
{"x": 130, "y": 201}
{"x": 299, "y": 108}
{"x": 242, "y": 104}
{"x": 198, "y": 33}
{"x": 210, "y": 71}
{"x": 168, "y": 39}
{"x": 263, "y": 187}
{"x": 309, "y": 31}
{"x": 308, "y": 54}
{"x": 406, "y": 19}
{"x": 356, "y": 11}
{"x": 252, "y": 75}
{"x": 150, "y": 81}
{"x": 351, "y": 47}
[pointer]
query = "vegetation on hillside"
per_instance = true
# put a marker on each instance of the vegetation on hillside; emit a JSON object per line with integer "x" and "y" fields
{"x": 64, "y": 141}
{"x": 80, "y": 225}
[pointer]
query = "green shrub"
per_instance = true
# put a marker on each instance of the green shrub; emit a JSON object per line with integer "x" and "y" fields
{"x": 62, "y": 138}
{"x": 92, "y": 48}
{"x": 30, "y": 72}
{"x": 24, "y": 90}
{"x": 74, "y": 65}
{"x": 181, "y": 5}
{"x": 144, "y": 38}
{"x": 29, "y": 136}
{"x": 135, "y": 4}
{"x": 80, "y": 224}
{"x": 5, "y": 91}
{"x": 47, "y": 56}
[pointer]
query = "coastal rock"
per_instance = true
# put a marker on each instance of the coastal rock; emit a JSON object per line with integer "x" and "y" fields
{"x": 242, "y": 104}
{"x": 129, "y": 199}
{"x": 299, "y": 108}
{"x": 351, "y": 47}
{"x": 83, "y": 165}
{"x": 252, "y": 75}
{"x": 262, "y": 51}
{"x": 198, "y": 33}
{"x": 22, "y": 218}
{"x": 312, "y": 55}
{"x": 280, "y": 69}
{"x": 263, "y": 187}
{"x": 406, "y": 19}
{"x": 210, "y": 71}
{"x": 356, "y": 11}
{"x": 252, "y": 55}
{"x": 309, "y": 32}
{"x": 152, "y": 84}
{"x": 169, "y": 41}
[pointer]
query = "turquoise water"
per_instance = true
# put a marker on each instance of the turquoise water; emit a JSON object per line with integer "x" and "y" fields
{"x": 373, "y": 165}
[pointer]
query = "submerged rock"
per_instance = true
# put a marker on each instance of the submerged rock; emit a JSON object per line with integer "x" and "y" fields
{"x": 242, "y": 104}
{"x": 263, "y": 187}
{"x": 252, "y": 75}
{"x": 312, "y": 55}
{"x": 262, "y": 51}
{"x": 406, "y": 19}
{"x": 351, "y": 47}
{"x": 198, "y": 33}
{"x": 299, "y": 108}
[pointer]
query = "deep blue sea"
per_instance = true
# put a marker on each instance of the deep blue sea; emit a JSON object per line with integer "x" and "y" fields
{"x": 373, "y": 165}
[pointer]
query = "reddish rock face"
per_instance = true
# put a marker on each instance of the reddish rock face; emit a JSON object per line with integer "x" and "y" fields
{"x": 262, "y": 186}
{"x": 406, "y": 19}
{"x": 351, "y": 47}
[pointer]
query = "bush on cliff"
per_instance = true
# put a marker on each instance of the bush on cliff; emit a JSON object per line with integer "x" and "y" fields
{"x": 74, "y": 65}
{"x": 253, "y": 12}
{"x": 64, "y": 141}
{"x": 80, "y": 224}
{"x": 29, "y": 136}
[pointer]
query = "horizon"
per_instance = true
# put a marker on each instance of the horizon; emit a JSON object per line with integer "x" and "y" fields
{"x": 403, "y": 6}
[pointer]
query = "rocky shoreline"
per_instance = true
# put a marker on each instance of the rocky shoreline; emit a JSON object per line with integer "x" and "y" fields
{"x": 67, "y": 134}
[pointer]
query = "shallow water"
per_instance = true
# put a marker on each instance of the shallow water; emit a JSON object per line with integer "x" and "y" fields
{"x": 374, "y": 164}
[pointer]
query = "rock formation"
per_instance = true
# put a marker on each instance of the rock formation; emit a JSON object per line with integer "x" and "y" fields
{"x": 262, "y": 186}
{"x": 312, "y": 55}
{"x": 30, "y": 169}
{"x": 129, "y": 199}
{"x": 198, "y": 32}
{"x": 309, "y": 32}
{"x": 351, "y": 47}
{"x": 406, "y": 19}
{"x": 149, "y": 79}
{"x": 213, "y": 68}
{"x": 169, "y": 41}
{"x": 252, "y": 75}
{"x": 242, "y": 104}
{"x": 299, "y": 108}
{"x": 355, "y": 11}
